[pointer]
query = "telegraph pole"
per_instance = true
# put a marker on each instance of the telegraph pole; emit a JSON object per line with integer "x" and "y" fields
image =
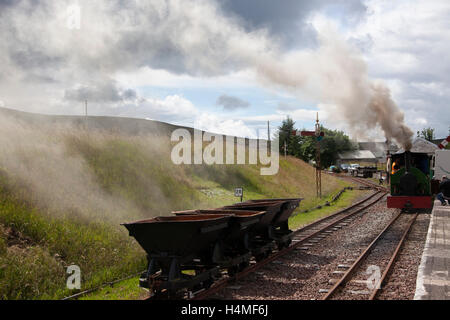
{"x": 285, "y": 149}
{"x": 85, "y": 115}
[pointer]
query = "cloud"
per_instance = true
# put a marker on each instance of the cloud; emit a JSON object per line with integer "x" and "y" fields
{"x": 405, "y": 42}
{"x": 288, "y": 21}
{"x": 285, "y": 107}
{"x": 102, "y": 92}
{"x": 160, "y": 78}
{"x": 212, "y": 123}
{"x": 231, "y": 103}
{"x": 54, "y": 64}
{"x": 402, "y": 41}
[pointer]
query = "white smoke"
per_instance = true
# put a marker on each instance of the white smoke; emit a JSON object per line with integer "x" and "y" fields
{"x": 336, "y": 75}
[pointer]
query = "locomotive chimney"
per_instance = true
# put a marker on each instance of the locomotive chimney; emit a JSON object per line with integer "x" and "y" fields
{"x": 408, "y": 161}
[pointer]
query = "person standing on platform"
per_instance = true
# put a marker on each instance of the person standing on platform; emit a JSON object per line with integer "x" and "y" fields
{"x": 444, "y": 188}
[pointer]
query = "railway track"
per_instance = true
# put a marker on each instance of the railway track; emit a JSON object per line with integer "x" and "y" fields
{"x": 379, "y": 255}
{"x": 366, "y": 182}
{"x": 103, "y": 285}
{"x": 302, "y": 239}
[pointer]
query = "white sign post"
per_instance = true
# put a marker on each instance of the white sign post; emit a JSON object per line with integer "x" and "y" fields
{"x": 239, "y": 192}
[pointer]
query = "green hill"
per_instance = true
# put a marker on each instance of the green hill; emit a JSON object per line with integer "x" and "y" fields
{"x": 67, "y": 182}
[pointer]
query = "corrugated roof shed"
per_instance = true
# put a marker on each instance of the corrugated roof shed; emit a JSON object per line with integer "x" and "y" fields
{"x": 420, "y": 145}
{"x": 378, "y": 148}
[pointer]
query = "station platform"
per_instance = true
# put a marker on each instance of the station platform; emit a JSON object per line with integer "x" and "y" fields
{"x": 433, "y": 277}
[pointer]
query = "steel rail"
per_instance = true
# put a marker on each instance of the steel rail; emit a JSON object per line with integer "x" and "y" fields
{"x": 103, "y": 285}
{"x": 308, "y": 226}
{"x": 222, "y": 283}
{"x": 367, "y": 183}
{"x": 344, "y": 279}
{"x": 379, "y": 286}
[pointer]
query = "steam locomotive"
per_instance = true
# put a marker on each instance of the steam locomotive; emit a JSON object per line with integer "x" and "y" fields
{"x": 410, "y": 181}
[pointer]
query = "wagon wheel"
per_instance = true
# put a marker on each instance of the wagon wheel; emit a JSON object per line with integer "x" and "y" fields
{"x": 233, "y": 270}
{"x": 280, "y": 245}
{"x": 243, "y": 265}
{"x": 284, "y": 244}
{"x": 263, "y": 255}
{"x": 208, "y": 283}
{"x": 260, "y": 257}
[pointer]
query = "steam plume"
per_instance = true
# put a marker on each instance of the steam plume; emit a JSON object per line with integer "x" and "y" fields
{"x": 336, "y": 75}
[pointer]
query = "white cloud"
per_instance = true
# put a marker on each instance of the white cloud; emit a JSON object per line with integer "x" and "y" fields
{"x": 176, "y": 109}
{"x": 215, "y": 124}
{"x": 147, "y": 76}
{"x": 172, "y": 108}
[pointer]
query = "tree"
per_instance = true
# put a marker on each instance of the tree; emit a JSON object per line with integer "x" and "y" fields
{"x": 427, "y": 134}
{"x": 304, "y": 148}
{"x": 333, "y": 143}
{"x": 285, "y": 135}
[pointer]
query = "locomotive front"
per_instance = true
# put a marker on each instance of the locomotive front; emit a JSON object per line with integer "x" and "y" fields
{"x": 410, "y": 181}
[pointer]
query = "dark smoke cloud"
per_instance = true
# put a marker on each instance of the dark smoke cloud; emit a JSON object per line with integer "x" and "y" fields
{"x": 287, "y": 20}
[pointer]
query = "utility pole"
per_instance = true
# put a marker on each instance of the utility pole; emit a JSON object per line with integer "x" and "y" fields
{"x": 285, "y": 149}
{"x": 85, "y": 115}
{"x": 319, "y": 135}
{"x": 318, "y": 170}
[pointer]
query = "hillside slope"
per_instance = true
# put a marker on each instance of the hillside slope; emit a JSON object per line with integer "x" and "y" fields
{"x": 66, "y": 187}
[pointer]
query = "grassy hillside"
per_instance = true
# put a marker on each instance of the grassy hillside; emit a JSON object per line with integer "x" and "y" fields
{"x": 65, "y": 190}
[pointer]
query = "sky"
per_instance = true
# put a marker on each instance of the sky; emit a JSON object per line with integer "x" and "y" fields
{"x": 229, "y": 66}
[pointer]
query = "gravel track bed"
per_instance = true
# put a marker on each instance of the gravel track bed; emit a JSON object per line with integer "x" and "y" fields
{"x": 378, "y": 257}
{"x": 301, "y": 274}
{"x": 401, "y": 284}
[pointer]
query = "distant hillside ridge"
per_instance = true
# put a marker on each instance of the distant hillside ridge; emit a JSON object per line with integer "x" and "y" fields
{"x": 110, "y": 124}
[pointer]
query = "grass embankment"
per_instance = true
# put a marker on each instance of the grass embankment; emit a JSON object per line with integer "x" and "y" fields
{"x": 346, "y": 199}
{"x": 54, "y": 215}
{"x": 36, "y": 248}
